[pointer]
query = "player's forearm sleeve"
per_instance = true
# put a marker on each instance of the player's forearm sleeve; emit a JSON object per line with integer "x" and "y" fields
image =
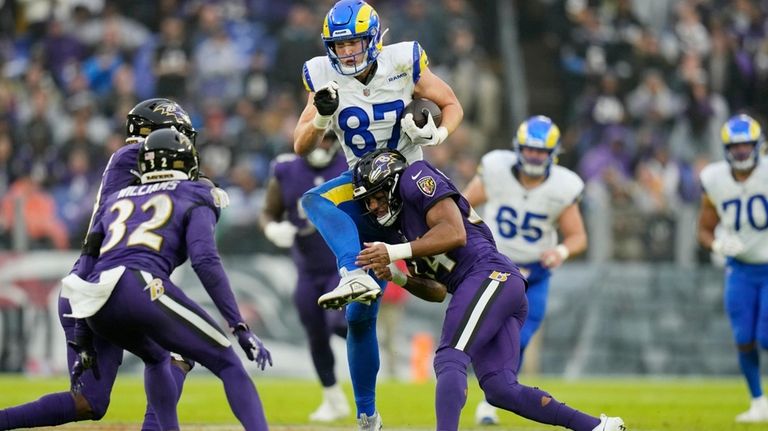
{"x": 207, "y": 263}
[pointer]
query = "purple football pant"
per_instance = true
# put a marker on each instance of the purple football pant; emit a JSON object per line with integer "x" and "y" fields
{"x": 149, "y": 322}
{"x": 59, "y": 408}
{"x": 319, "y": 324}
{"x": 482, "y": 326}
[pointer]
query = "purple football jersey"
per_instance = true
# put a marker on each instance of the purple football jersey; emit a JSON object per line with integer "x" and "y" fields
{"x": 146, "y": 225}
{"x": 117, "y": 174}
{"x": 296, "y": 176}
{"x": 421, "y": 187}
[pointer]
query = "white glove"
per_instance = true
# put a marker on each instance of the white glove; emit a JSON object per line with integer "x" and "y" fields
{"x": 280, "y": 233}
{"x": 220, "y": 197}
{"x": 728, "y": 245}
{"x": 429, "y": 135}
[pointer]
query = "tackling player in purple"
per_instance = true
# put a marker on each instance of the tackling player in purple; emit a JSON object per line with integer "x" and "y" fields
{"x": 450, "y": 244}
{"x": 148, "y": 230}
{"x": 93, "y": 398}
{"x": 286, "y": 225}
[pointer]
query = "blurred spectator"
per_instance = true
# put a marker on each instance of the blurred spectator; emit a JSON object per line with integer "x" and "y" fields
{"x": 75, "y": 191}
{"x": 100, "y": 68}
{"x": 172, "y": 60}
{"x": 298, "y": 41}
{"x": 220, "y": 68}
{"x": 62, "y": 51}
{"x": 479, "y": 90}
{"x": 6, "y": 162}
{"x": 696, "y": 132}
{"x": 38, "y": 209}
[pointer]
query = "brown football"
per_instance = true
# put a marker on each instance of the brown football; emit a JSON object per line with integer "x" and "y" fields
{"x": 419, "y": 109}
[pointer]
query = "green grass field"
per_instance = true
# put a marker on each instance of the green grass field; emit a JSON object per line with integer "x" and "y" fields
{"x": 645, "y": 404}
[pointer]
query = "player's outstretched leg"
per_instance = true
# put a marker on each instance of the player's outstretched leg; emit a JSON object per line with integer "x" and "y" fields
{"x": 328, "y": 207}
{"x": 539, "y": 406}
{"x": 363, "y": 356}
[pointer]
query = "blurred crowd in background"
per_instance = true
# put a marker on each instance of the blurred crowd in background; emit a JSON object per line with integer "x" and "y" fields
{"x": 639, "y": 88}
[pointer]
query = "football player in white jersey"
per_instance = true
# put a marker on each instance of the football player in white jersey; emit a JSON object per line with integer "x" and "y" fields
{"x": 525, "y": 198}
{"x": 733, "y": 222}
{"x": 359, "y": 90}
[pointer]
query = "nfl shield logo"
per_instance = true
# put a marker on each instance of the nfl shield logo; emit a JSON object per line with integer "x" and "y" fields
{"x": 366, "y": 92}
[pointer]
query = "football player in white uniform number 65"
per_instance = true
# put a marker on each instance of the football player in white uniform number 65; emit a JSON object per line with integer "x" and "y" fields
{"x": 526, "y": 197}
{"x": 359, "y": 90}
{"x": 733, "y": 222}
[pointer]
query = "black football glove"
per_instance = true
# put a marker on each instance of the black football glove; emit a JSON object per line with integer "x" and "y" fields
{"x": 327, "y": 99}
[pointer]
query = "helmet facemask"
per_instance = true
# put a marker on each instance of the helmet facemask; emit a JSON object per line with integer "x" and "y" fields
{"x": 323, "y": 154}
{"x": 742, "y": 160}
{"x": 535, "y": 167}
{"x": 738, "y": 134}
{"x": 390, "y": 198}
{"x": 538, "y": 133}
{"x": 376, "y": 178}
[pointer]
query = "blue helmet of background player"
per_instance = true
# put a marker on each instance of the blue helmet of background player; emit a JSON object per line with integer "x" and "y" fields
{"x": 742, "y": 139}
{"x": 348, "y": 20}
{"x": 167, "y": 154}
{"x": 380, "y": 171}
{"x": 154, "y": 114}
{"x": 538, "y": 133}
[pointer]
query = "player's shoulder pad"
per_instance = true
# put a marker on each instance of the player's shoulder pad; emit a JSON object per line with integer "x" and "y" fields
{"x": 713, "y": 172}
{"x": 497, "y": 160}
{"x": 407, "y": 56}
{"x": 125, "y": 155}
{"x": 567, "y": 179}
{"x": 316, "y": 72}
{"x": 424, "y": 177}
{"x": 200, "y": 193}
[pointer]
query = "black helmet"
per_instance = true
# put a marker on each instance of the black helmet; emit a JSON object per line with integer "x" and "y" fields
{"x": 154, "y": 114}
{"x": 167, "y": 154}
{"x": 377, "y": 171}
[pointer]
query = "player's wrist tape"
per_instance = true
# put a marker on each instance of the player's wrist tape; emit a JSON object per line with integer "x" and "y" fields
{"x": 321, "y": 122}
{"x": 562, "y": 251}
{"x": 399, "y": 251}
{"x": 442, "y": 134}
{"x": 398, "y": 276}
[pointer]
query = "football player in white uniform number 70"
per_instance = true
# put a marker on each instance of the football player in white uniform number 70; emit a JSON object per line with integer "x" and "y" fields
{"x": 526, "y": 197}
{"x": 359, "y": 90}
{"x": 733, "y": 222}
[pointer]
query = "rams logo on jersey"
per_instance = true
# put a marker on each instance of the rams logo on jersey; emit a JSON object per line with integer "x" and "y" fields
{"x": 427, "y": 185}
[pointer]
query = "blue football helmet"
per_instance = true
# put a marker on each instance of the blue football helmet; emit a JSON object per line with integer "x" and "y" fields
{"x": 352, "y": 19}
{"x": 541, "y": 133}
{"x": 742, "y": 129}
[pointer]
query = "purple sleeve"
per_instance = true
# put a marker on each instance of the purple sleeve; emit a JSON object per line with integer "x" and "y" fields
{"x": 206, "y": 262}
{"x": 426, "y": 188}
{"x": 84, "y": 264}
